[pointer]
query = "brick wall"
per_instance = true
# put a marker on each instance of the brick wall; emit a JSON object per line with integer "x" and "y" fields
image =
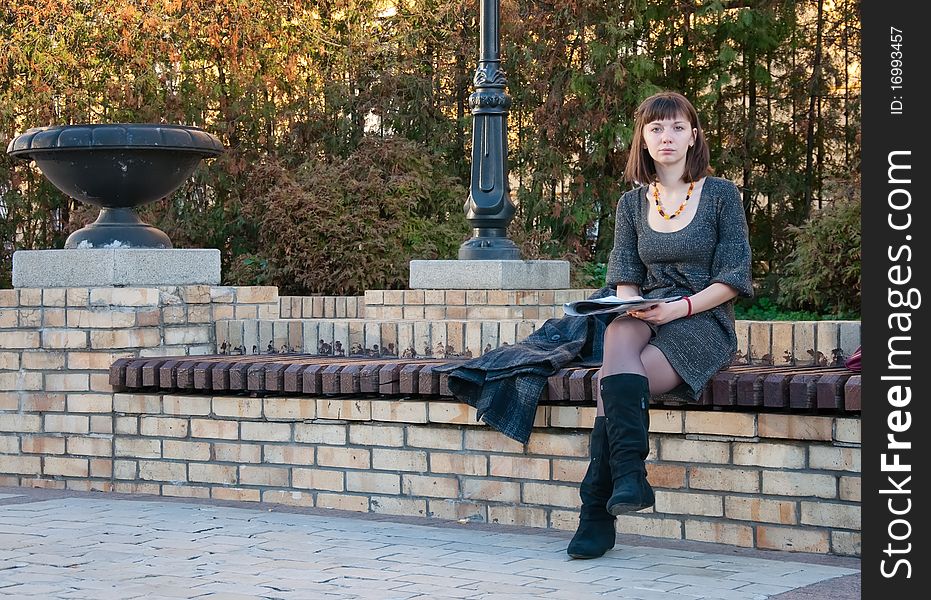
{"x": 773, "y": 481}
{"x": 56, "y": 347}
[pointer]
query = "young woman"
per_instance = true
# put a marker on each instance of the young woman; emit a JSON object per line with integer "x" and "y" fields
{"x": 681, "y": 233}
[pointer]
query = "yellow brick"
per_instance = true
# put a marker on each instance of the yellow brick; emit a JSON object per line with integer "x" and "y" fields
{"x": 9, "y": 361}
{"x": 256, "y": 294}
{"x": 138, "y": 448}
{"x": 214, "y": 429}
{"x": 67, "y": 382}
{"x": 53, "y": 317}
{"x": 289, "y": 454}
{"x": 240, "y": 407}
{"x": 266, "y": 432}
{"x": 574, "y": 417}
{"x": 179, "y": 336}
{"x": 376, "y": 435}
{"x": 93, "y": 360}
{"x": 517, "y": 515}
{"x": 433, "y": 487}
{"x": 207, "y": 473}
{"x": 434, "y": 437}
{"x": 665, "y": 476}
{"x": 48, "y": 361}
{"x": 290, "y": 498}
{"x": 164, "y": 427}
{"x": 30, "y": 296}
{"x": 23, "y": 465}
{"x": 376, "y": 483}
{"x": 9, "y": 444}
{"x": 67, "y": 467}
{"x": 235, "y": 494}
{"x": 451, "y": 412}
{"x": 186, "y": 450}
{"x": 398, "y": 460}
{"x": 514, "y": 467}
{"x": 719, "y": 533}
{"x": 847, "y": 430}
{"x": 148, "y": 318}
{"x": 270, "y": 476}
{"x": 850, "y": 489}
{"x": 90, "y": 446}
{"x": 289, "y": 409}
{"x": 792, "y": 539}
{"x": 43, "y": 445}
{"x": 685, "y": 503}
{"x": 569, "y": 470}
{"x": 9, "y": 298}
{"x": 769, "y": 455}
{"x": 353, "y": 410}
{"x": 745, "y": 508}
{"x": 237, "y": 453}
{"x": 77, "y": 296}
{"x": 488, "y": 440}
{"x": 195, "y": 294}
{"x": 174, "y": 315}
{"x": 64, "y": 338}
{"x": 124, "y": 296}
{"x": 829, "y": 514}
{"x": 90, "y": 403}
{"x": 551, "y": 495}
{"x": 101, "y": 467}
{"x": 67, "y": 423}
{"x": 20, "y": 423}
{"x": 497, "y": 491}
{"x": 795, "y": 427}
{"x": 725, "y": 479}
{"x": 558, "y": 444}
{"x": 721, "y": 423}
{"x": 9, "y": 318}
{"x": 333, "y": 434}
{"x": 185, "y": 491}
{"x": 456, "y": 510}
{"x": 835, "y": 459}
{"x": 137, "y": 403}
{"x": 101, "y": 424}
{"x": 156, "y": 470}
{"x": 222, "y": 294}
{"x": 21, "y": 339}
{"x": 351, "y": 458}
{"x": 846, "y": 543}
{"x": 693, "y": 451}
{"x": 411, "y": 507}
{"x": 343, "y": 502}
{"x": 788, "y": 483}
{"x": 459, "y": 464}
{"x": 40, "y": 402}
{"x": 186, "y": 405}
{"x": 395, "y": 411}
{"x": 152, "y": 489}
{"x": 138, "y": 337}
{"x": 99, "y": 319}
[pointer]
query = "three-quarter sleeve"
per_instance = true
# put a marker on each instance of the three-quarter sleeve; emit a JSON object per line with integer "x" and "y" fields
{"x": 624, "y": 263}
{"x": 731, "y": 261}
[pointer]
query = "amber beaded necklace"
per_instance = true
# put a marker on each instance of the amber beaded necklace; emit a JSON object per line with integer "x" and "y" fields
{"x": 659, "y": 205}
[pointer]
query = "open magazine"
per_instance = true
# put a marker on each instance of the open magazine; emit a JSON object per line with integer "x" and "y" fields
{"x": 611, "y": 304}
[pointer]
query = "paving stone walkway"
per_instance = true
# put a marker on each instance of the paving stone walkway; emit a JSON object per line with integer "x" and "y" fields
{"x": 70, "y": 545}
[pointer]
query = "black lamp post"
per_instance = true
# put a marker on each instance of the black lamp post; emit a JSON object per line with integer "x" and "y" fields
{"x": 489, "y": 208}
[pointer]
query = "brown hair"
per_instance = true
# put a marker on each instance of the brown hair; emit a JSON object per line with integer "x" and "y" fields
{"x": 665, "y": 105}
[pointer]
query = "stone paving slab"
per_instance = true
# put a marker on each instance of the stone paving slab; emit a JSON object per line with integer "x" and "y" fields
{"x": 100, "y": 546}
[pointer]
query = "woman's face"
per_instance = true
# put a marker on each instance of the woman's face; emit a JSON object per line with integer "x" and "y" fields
{"x": 669, "y": 140}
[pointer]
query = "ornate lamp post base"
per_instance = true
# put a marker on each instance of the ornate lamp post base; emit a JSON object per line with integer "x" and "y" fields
{"x": 489, "y": 244}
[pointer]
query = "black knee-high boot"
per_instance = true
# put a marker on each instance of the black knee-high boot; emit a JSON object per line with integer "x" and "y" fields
{"x": 626, "y": 399}
{"x": 595, "y": 534}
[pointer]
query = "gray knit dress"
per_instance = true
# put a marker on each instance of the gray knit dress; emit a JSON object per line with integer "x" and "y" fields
{"x": 712, "y": 247}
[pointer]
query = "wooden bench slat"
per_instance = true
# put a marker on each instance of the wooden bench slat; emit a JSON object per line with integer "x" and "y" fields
{"x": 782, "y": 387}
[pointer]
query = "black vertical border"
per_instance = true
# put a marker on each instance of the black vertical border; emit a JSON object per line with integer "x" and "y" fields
{"x": 887, "y": 128}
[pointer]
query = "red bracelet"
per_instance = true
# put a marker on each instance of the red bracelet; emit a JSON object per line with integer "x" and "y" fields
{"x": 687, "y": 299}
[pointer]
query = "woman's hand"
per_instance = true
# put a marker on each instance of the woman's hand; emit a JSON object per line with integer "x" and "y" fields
{"x": 661, "y": 313}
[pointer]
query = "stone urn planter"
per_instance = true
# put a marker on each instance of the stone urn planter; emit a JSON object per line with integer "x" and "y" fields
{"x": 116, "y": 167}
